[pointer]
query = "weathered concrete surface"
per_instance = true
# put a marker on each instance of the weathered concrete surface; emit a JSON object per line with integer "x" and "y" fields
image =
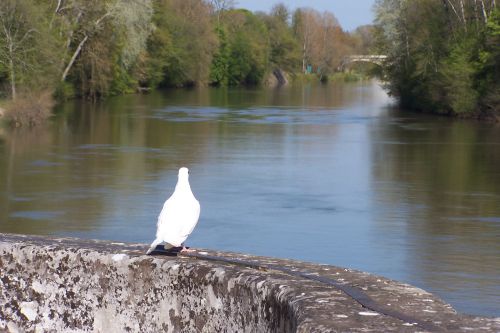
{"x": 71, "y": 285}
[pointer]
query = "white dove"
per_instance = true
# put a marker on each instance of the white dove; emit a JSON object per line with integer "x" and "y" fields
{"x": 179, "y": 215}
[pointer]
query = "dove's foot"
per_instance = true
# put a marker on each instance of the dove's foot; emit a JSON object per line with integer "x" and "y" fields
{"x": 187, "y": 250}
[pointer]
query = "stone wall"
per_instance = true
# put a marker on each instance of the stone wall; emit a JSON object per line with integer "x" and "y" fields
{"x": 71, "y": 285}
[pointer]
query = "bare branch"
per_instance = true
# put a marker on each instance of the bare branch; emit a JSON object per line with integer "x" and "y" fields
{"x": 485, "y": 15}
{"x": 454, "y": 10}
{"x": 73, "y": 58}
{"x": 20, "y": 42}
{"x": 102, "y": 18}
{"x": 59, "y": 3}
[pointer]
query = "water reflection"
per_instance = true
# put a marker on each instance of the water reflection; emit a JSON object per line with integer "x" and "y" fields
{"x": 439, "y": 190}
{"x": 319, "y": 173}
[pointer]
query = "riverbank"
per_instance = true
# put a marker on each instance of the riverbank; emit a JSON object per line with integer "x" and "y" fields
{"x": 481, "y": 115}
{"x": 30, "y": 109}
{"x": 73, "y": 284}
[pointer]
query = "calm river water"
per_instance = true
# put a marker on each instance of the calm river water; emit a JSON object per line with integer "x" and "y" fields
{"x": 330, "y": 174}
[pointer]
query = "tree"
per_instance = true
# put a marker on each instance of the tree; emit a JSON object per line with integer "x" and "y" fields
{"x": 80, "y": 21}
{"x": 248, "y": 48}
{"x": 219, "y": 69}
{"x": 329, "y": 44}
{"x": 243, "y": 53}
{"x": 304, "y": 22}
{"x": 103, "y": 41}
{"x": 281, "y": 13}
{"x": 324, "y": 43}
{"x": 158, "y": 53}
{"x": 439, "y": 54}
{"x": 489, "y": 68}
{"x": 133, "y": 19}
{"x": 15, "y": 37}
{"x": 285, "y": 51}
{"x": 220, "y": 6}
{"x": 193, "y": 41}
{"x": 457, "y": 73}
{"x": 364, "y": 39}
{"x": 25, "y": 45}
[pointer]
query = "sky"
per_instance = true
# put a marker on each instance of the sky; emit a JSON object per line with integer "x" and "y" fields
{"x": 350, "y": 13}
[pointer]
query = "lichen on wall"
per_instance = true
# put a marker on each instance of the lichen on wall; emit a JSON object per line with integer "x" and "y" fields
{"x": 56, "y": 289}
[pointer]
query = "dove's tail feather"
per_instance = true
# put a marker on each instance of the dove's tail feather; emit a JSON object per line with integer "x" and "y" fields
{"x": 153, "y": 246}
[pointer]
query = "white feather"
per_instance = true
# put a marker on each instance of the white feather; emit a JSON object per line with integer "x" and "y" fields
{"x": 179, "y": 215}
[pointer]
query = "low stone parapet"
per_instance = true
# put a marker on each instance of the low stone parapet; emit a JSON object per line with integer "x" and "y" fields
{"x": 74, "y": 285}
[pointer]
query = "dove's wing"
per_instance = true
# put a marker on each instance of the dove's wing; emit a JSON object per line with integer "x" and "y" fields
{"x": 177, "y": 219}
{"x": 191, "y": 218}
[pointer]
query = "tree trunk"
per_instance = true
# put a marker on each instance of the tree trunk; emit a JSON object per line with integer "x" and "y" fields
{"x": 484, "y": 12}
{"x": 12, "y": 70}
{"x": 12, "y": 79}
{"x": 476, "y": 14}
{"x": 463, "y": 14}
{"x": 304, "y": 58}
{"x": 73, "y": 58}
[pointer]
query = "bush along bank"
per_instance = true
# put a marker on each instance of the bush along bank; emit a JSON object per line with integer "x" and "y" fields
{"x": 443, "y": 56}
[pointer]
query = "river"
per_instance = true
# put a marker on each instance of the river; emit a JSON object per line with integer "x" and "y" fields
{"x": 331, "y": 173}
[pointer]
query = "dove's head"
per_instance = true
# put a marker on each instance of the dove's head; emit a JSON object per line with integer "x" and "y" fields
{"x": 183, "y": 173}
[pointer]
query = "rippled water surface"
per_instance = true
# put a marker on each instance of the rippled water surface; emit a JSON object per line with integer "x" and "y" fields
{"x": 331, "y": 174}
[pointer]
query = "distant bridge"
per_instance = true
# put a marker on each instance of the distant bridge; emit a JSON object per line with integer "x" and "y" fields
{"x": 377, "y": 59}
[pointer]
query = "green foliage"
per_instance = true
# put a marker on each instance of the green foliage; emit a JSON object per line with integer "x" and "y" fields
{"x": 243, "y": 53}
{"x": 123, "y": 81}
{"x": 97, "y": 48}
{"x": 284, "y": 47}
{"x": 64, "y": 91}
{"x": 458, "y": 72}
{"x": 26, "y": 48}
{"x": 489, "y": 67}
{"x": 158, "y": 49}
{"x": 93, "y": 73}
{"x": 219, "y": 70}
{"x": 193, "y": 42}
{"x": 249, "y": 52}
{"x": 442, "y": 57}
